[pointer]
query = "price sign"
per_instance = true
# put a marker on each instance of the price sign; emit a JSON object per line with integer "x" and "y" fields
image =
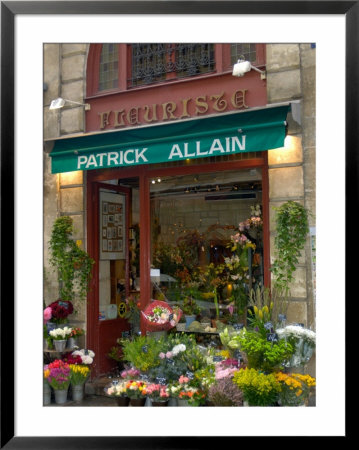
{"x": 161, "y": 380}
{"x": 189, "y": 375}
{"x": 268, "y": 325}
{"x": 238, "y": 326}
{"x": 86, "y": 352}
{"x": 217, "y": 358}
{"x": 238, "y": 355}
{"x": 170, "y": 317}
{"x": 125, "y": 334}
{"x": 272, "y": 337}
{"x": 299, "y": 325}
{"x": 115, "y": 382}
{"x": 170, "y": 361}
{"x": 145, "y": 349}
{"x": 282, "y": 317}
{"x": 145, "y": 378}
{"x": 212, "y": 344}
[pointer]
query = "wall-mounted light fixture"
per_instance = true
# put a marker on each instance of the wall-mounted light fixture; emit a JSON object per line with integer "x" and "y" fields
{"x": 60, "y": 103}
{"x": 242, "y": 67}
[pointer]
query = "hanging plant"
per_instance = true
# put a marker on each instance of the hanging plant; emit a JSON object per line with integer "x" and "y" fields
{"x": 74, "y": 265}
{"x": 292, "y": 230}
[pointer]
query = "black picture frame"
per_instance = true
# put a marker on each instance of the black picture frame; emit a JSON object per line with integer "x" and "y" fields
{"x": 9, "y": 9}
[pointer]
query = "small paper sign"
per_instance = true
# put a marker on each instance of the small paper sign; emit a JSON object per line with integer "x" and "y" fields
{"x": 145, "y": 378}
{"x": 189, "y": 375}
{"x": 212, "y": 344}
{"x": 170, "y": 361}
{"x": 217, "y": 358}
{"x": 238, "y": 326}
{"x": 115, "y": 382}
{"x": 299, "y": 325}
{"x": 268, "y": 325}
{"x": 282, "y": 317}
{"x": 86, "y": 352}
{"x": 145, "y": 349}
{"x": 170, "y": 317}
{"x": 272, "y": 337}
{"x": 161, "y": 380}
{"x": 125, "y": 334}
{"x": 238, "y": 355}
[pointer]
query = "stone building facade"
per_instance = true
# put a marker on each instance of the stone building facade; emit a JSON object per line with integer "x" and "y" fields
{"x": 290, "y": 75}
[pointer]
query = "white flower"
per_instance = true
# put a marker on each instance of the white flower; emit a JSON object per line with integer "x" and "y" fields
{"x": 178, "y": 349}
{"x": 86, "y": 359}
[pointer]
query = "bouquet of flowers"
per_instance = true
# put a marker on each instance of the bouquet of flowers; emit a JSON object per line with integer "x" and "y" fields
{"x": 117, "y": 390}
{"x": 47, "y": 314}
{"x": 294, "y": 388}
{"x": 157, "y": 392}
{"x": 159, "y": 316}
{"x": 60, "y": 333}
{"x": 182, "y": 389}
{"x": 60, "y": 310}
{"x": 226, "y": 368}
{"x": 76, "y": 332}
{"x": 302, "y": 340}
{"x": 78, "y": 373}
{"x": 86, "y": 356}
{"x": 135, "y": 389}
{"x": 130, "y": 374}
{"x": 58, "y": 374}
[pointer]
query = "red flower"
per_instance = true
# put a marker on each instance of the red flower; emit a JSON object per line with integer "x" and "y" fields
{"x": 61, "y": 309}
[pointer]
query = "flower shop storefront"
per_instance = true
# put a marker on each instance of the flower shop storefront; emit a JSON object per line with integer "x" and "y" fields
{"x": 178, "y": 231}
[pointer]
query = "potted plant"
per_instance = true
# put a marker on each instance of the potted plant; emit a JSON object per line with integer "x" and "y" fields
{"x": 258, "y": 388}
{"x": 74, "y": 265}
{"x": 60, "y": 310}
{"x": 158, "y": 394}
{"x": 59, "y": 337}
{"x": 118, "y": 390}
{"x": 72, "y": 340}
{"x": 294, "y": 388}
{"x": 78, "y": 375}
{"x": 59, "y": 379}
{"x": 225, "y": 393}
{"x": 190, "y": 309}
{"x": 137, "y": 392}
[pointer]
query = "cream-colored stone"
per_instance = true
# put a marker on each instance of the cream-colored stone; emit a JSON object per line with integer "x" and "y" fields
{"x": 298, "y": 287}
{"x": 72, "y": 120}
{"x": 283, "y": 85}
{"x": 52, "y": 73}
{"x": 68, "y": 178}
{"x": 286, "y": 182}
{"x": 51, "y": 123}
{"x": 71, "y": 200}
{"x": 78, "y": 221}
{"x": 307, "y": 56}
{"x": 297, "y": 312}
{"x": 282, "y": 56}
{"x": 290, "y": 153}
{"x": 73, "y": 68}
{"x": 68, "y": 49}
{"x": 73, "y": 91}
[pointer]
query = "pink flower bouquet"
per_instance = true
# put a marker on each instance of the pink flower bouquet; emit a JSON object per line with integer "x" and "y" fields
{"x": 159, "y": 316}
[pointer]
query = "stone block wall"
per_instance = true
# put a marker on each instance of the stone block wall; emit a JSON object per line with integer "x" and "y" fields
{"x": 64, "y": 194}
{"x": 291, "y": 76}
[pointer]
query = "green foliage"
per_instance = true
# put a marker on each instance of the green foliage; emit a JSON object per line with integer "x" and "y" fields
{"x": 74, "y": 265}
{"x": 258, "y": 388}
{"x": 142, "y": 352}
{"x": 292, "y": 229}
{"x": 262, "y": 354}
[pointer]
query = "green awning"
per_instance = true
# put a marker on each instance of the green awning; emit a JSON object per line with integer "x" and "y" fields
{"x": 238, "y": 132}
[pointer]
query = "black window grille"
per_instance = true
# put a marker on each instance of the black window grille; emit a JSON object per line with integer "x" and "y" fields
{"x": 154, "y": 63}
{"x": 108, "y": 76}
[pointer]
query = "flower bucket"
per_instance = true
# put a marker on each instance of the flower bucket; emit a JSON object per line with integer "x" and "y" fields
{"x": 72, "y": 343}
{"x": 51, "y": 326}
{"x": 182, "y": 402}
{"x": 189, "y": 320}
{"x": 47, "y": 394}
{"x": 60, "y": 345}
{"x": 137, "y": 401}
{"x": 172, "y": 401}
{"x": 77, "y": 392}
{"x": 160, "y": 403}
{"x": 123, "y": 401}
{"x": 60, "y": 396}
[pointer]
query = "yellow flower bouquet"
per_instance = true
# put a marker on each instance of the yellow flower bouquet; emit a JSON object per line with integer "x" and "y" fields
{"x": 294, "y": 388}
{"x": 78, "y": 374}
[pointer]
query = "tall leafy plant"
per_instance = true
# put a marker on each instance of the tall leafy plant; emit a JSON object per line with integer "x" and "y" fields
{"x": 73, "y": 264}
{"x": 292, "y": 229}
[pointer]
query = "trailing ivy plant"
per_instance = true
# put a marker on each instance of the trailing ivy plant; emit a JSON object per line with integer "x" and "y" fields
{"x": 74, "y": 265}
{"x": 292, "y": 230}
